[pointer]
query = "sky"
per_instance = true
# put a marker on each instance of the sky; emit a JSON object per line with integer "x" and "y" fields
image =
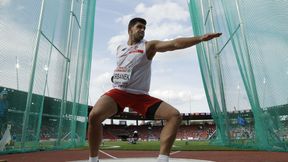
{"x": 176, "y": 76}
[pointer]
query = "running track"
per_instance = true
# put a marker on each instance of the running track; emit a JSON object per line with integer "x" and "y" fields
{"x": 217, "y": 156}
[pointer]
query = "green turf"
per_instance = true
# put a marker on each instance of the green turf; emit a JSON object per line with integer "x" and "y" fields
{"x": 154, "y": 145}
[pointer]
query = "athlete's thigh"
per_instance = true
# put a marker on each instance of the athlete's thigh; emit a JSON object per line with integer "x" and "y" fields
{"x": 165, "y": 111}
{"x": 104, "y": 108}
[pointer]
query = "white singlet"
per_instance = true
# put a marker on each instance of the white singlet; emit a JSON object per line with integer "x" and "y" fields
{"x": 133, "y": 71}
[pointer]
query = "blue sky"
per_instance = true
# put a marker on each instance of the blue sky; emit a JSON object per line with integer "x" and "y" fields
{"x": 176, "y": 75}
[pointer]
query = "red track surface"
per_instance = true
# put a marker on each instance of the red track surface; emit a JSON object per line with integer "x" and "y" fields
{"x": 218, "y": 156}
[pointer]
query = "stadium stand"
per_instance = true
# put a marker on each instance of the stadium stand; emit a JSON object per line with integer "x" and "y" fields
{"x": 195, "y": 126}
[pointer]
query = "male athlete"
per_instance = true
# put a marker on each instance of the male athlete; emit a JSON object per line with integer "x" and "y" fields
{"x": 131, "y": 83}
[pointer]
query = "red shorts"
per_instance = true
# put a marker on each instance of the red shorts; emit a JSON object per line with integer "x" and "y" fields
{"x": 144, "y": 104}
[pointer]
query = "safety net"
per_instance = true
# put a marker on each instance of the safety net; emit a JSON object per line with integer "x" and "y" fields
{"x": 245, "y": 71}
{"x": 45, "y": 62}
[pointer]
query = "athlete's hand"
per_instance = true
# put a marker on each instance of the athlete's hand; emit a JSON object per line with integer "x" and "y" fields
{"x": 209, "y": 36}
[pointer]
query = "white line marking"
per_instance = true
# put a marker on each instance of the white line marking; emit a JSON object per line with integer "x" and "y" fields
{"x": 110, "y": 147}
{"x": 176, "y": 152}
{"x": 146, "y": 160}
{"x": 108, "y": 154}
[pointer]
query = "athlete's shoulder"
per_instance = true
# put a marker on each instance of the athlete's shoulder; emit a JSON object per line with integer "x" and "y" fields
{"x": 121, "y": 47}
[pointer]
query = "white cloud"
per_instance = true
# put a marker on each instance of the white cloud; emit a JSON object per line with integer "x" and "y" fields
{"x": 18, "y": 42}
{"x": 198, "y": 97}
{"x": 177, "y": 95}
{"x": 162, "y": 71}
{"x": 98, "y": 85}
{"x": 12, "y": 31}
{"x": 166, "y": 25}
{"x": 103, "y": 78}
{"x": 177, "y": 55}
{"x": 124, "y": 20}
{"x": 166, "y": 30}
{"x": 101, "y": 61}
{"x": 4, "y": 3}
{"x": 115, "y": 41}
{"x": 183, "y": 100}
{"x": 20, "y": 7}
{"x": 101, "y": 72}
{"x": 165, "y": 11}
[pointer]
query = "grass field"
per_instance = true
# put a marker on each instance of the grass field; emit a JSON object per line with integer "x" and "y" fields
{"x": 154, "y": 145}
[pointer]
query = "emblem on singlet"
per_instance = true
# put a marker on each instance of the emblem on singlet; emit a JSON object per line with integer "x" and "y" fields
{"x": 122, "y": 76}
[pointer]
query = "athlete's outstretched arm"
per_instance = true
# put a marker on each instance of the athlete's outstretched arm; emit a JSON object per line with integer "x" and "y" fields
{"x": 178, "y": 43}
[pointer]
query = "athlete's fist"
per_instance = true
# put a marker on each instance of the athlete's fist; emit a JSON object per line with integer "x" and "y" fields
{"x": 209, "y": 36}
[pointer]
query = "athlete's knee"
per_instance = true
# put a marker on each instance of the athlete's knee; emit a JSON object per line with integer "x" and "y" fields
{"x": 177, "y": 117}
{"x": 103, "y": 109}
{"x": 94, "y": 118}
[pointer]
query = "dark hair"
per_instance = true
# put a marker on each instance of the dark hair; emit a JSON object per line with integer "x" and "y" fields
{"x": 135, "y": 20}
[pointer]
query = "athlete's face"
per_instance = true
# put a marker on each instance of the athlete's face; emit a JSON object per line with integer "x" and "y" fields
{"x": 138, "y": 31}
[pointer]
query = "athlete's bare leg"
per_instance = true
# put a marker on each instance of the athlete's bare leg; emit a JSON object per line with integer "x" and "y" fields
{"x": 103, "y": 109}
{"x": 168, "y": 134}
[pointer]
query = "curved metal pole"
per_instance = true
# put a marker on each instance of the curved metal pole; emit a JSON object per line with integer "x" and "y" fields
{"x": 29, "y": 96}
